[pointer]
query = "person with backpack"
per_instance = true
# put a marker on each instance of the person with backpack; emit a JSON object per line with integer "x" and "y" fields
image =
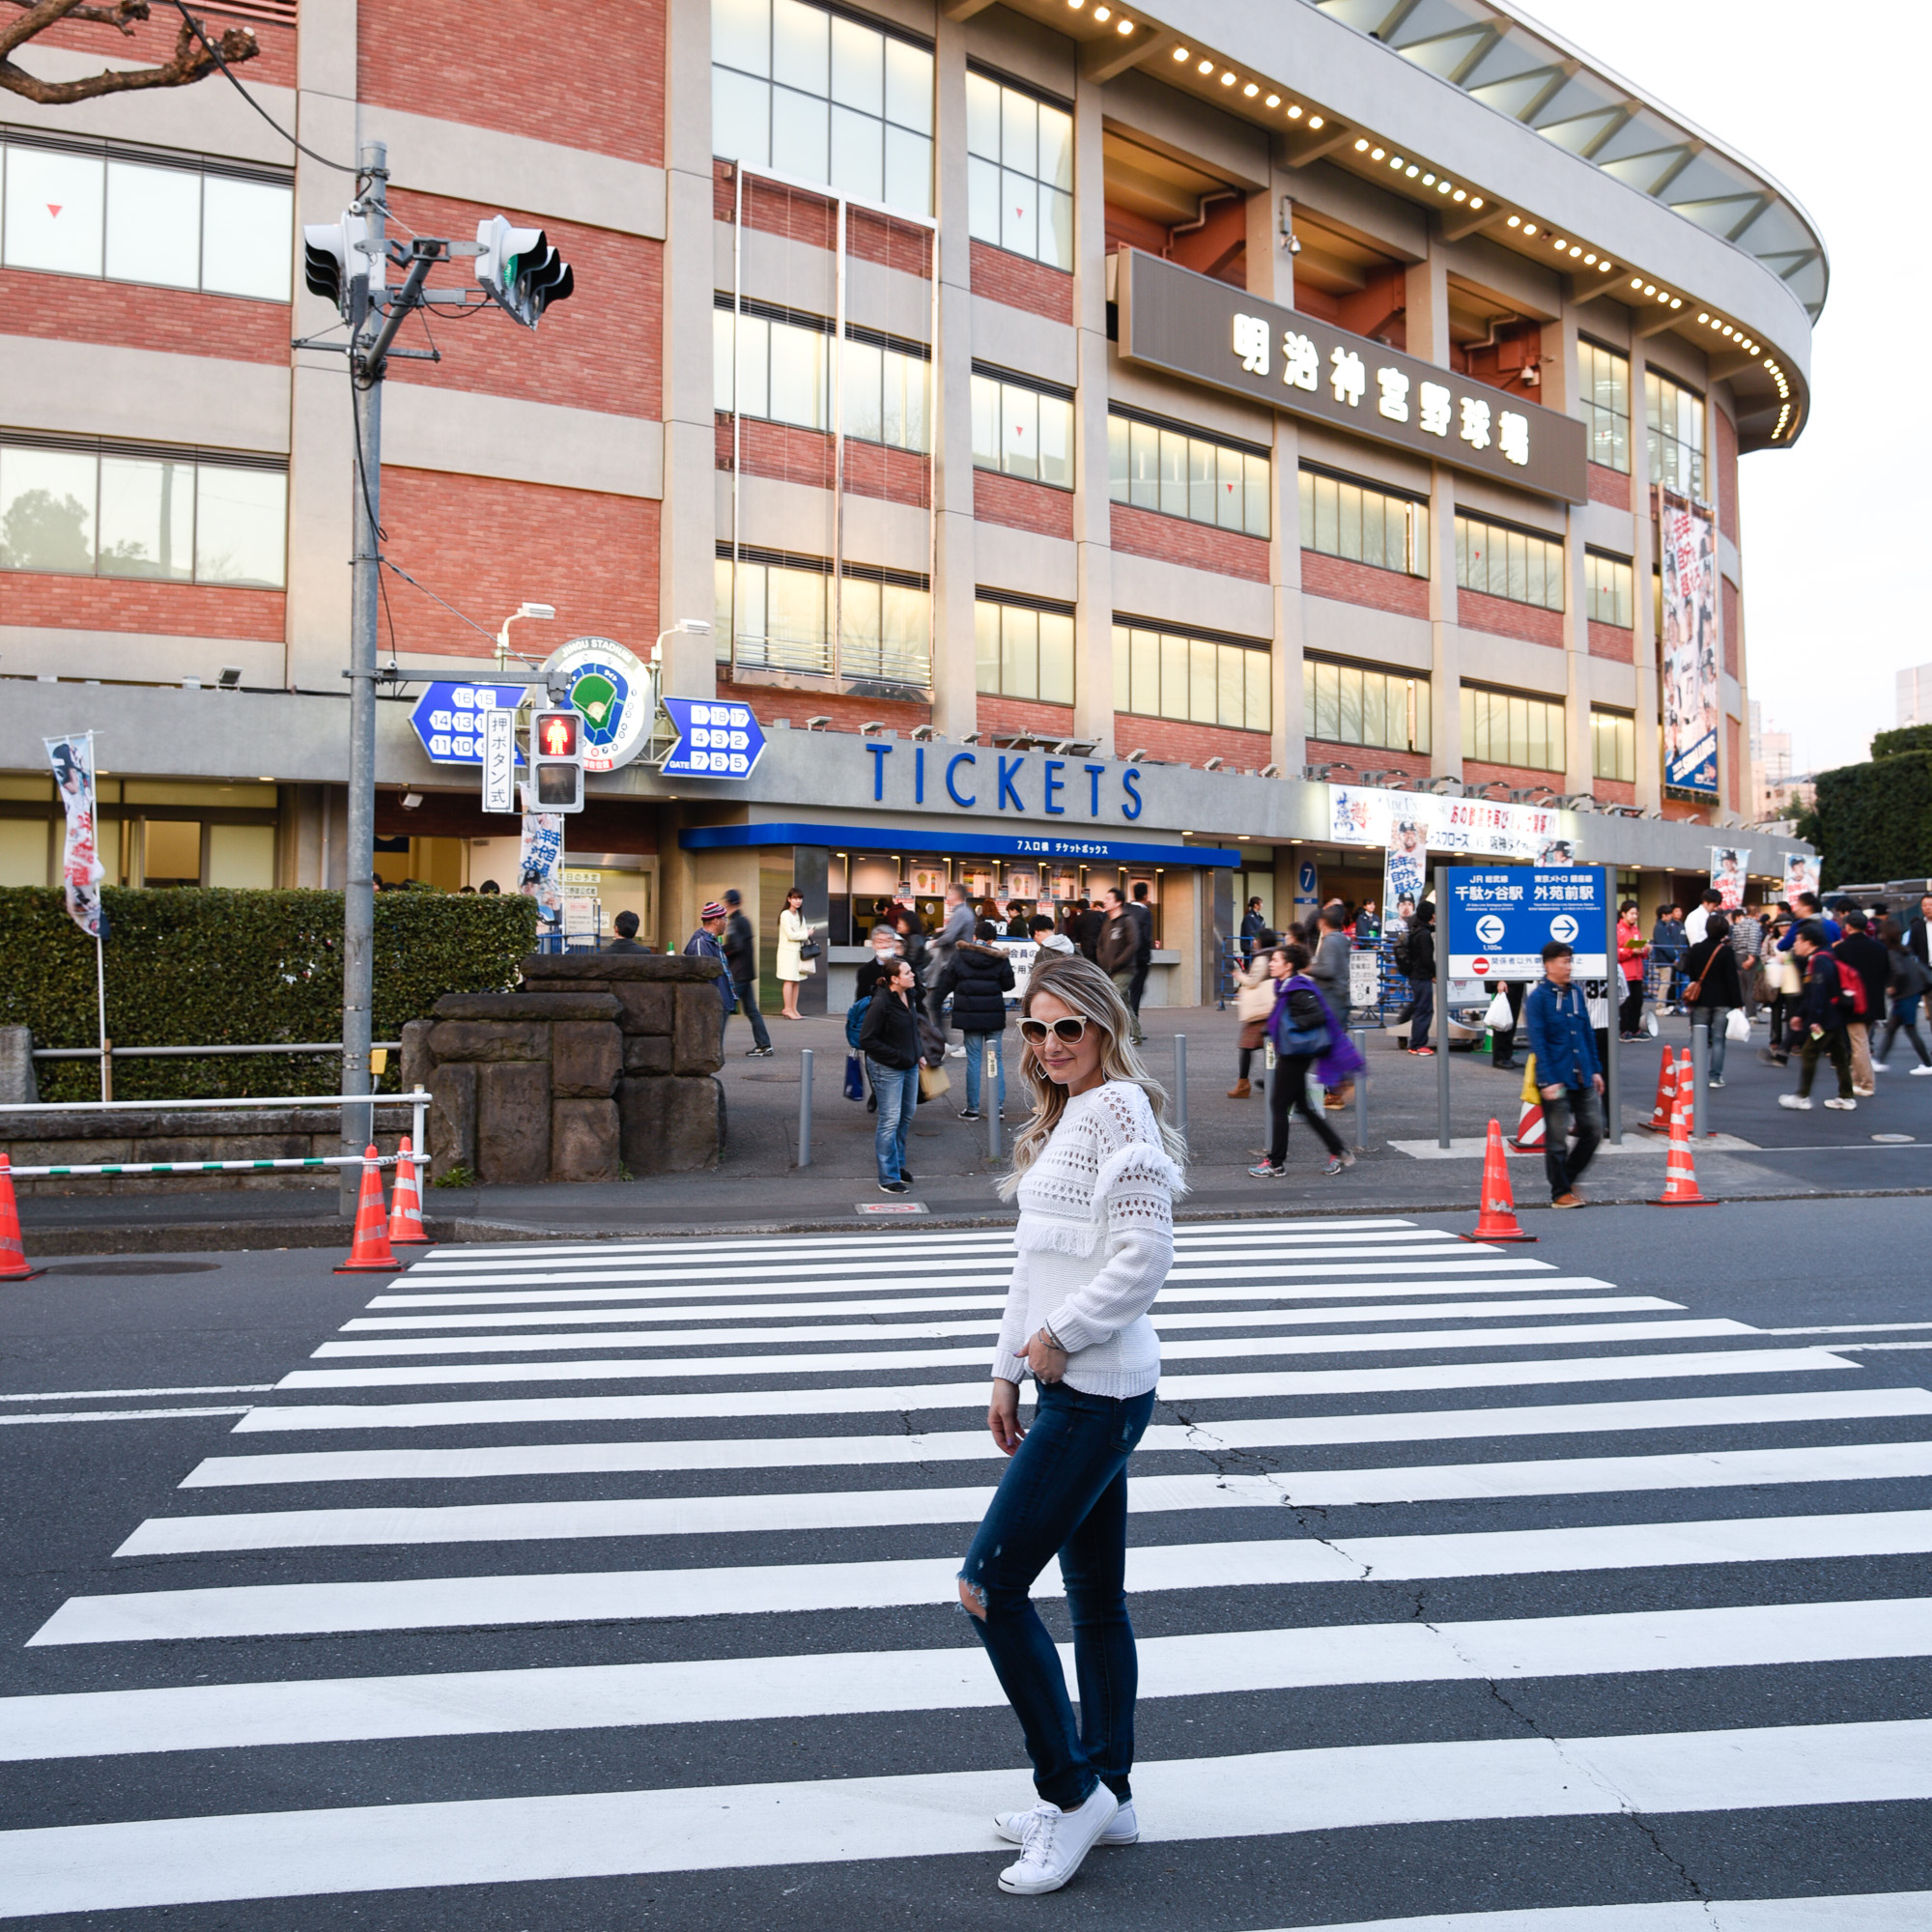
{"x": 1563, "y": 1050}
{"x": 978, "y": 979}
{"x": 1415, "y": 962}
{"x": 890, "y": 1038}
{"x": 1908, "y": 984}
{"x": 1306, "y": 1033}
{"x": 707, "y": 942}
{"x": 1713, "y": 987}
{"x": 1823, "y": 1006}
{"x": 1867, "y": 972}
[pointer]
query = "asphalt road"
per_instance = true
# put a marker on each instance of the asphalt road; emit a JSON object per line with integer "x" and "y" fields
{"x": 1596, "y": 1574}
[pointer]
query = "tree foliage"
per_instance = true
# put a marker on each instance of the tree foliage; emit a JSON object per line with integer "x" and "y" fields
{"x": 194, "y": 967}
{"x": 1907, "y": 738}
{"x": 197, "y": 53}
{"x": 1875, "y": 820}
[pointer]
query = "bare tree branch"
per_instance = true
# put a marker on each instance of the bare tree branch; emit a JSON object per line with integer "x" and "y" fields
{"x": 191, "y": 61}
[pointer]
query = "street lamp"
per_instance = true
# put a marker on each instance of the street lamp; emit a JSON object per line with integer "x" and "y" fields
{"x": 547, "y": 612}
{"x": 690, "y": 627}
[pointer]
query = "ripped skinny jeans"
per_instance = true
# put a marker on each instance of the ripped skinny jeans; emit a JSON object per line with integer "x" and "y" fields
{"x": 1065, "y": 1492}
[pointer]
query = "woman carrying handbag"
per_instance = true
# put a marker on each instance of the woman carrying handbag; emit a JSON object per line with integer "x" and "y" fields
{"x": 1254, "y": 1002}
{"x": 1305, "y": 1033}
{"x": 1714, "y": 989}
{"x": 798, "y": 950}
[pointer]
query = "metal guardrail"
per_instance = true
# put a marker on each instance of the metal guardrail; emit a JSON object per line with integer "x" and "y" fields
{"x": 202, "y": 1052}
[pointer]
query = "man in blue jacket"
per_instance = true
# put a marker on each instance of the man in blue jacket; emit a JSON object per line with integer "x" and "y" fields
{"x": 1557, "y": 1018}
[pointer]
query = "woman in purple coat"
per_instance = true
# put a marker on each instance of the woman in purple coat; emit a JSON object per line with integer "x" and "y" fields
{"x": 1305, "y": 1033}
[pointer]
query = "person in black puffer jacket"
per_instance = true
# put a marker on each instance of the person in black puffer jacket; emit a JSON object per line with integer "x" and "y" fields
{"x": 979, "y": 977}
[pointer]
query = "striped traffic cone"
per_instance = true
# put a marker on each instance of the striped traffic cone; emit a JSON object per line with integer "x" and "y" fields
{"x": 1680, "y": 1171}
{"x": 14, "y": 1264}
{"x": 406, "y": 1214}
{"x": 1531, "y": 1129}
{"x": 370, "y": 1251}
{"x": 1666, "y": 1094}
{"x": 1495, "y": 1220}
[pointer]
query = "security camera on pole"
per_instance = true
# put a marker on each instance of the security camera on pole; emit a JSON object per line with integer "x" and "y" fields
{"x": 347, "y": 263}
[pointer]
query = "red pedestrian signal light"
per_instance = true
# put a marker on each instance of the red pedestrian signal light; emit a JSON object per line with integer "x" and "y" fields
{"x": 557, "y": 764}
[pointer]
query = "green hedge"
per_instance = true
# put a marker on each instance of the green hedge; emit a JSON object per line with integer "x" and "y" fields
{"x": 213, "y": 968}
{"x": 1895, "y": 744}
{"x": 1876, "y": 820}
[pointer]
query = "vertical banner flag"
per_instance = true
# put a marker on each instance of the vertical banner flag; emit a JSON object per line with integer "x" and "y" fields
{"x": 540, "y": 866}
{"x": 1405, "y": 871}
{"x": 81, "y": 871}
{"x": 1686, "y": 551}
{"x": 1800, "y": 871}
{"x": 1727, "y": 874}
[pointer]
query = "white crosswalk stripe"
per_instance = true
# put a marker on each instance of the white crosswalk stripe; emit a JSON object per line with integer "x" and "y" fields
{"x": 1532, "y": 1443}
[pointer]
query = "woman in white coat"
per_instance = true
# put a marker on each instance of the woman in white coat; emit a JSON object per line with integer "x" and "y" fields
{"x": 794, "y": 933}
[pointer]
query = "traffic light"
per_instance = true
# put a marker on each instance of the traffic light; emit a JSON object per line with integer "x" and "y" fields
{"x": 519, "y": 270}
{"x": 334, "y": 256}
{"x": 557, "y": 762}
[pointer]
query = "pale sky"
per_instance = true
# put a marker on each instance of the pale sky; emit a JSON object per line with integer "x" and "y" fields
{"x": 1834, "y": 106}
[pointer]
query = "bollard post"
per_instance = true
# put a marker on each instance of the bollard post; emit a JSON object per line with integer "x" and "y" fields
{"x": 1180, "y": 1083}
{"x": 990, "y": 1084}
{"x": 805, "y": 1107}
{"x": 418, "y": 1105}
{"x": 1362, "y": 1098}
{"x": 1700, "y": 1073}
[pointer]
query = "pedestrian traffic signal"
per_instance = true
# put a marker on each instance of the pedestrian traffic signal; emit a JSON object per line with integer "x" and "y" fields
{"x": 334, "y": 257}
{"x": 557, "y": 762}
{"x": 519, "y": 270}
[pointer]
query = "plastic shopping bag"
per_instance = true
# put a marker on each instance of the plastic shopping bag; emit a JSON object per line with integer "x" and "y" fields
{"x": 1500, "y": 1018}
{"x": 1737, "y": 1027}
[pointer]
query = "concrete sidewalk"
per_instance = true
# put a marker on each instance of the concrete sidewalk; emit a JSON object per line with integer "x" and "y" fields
{"x": 1762, "y": 1153}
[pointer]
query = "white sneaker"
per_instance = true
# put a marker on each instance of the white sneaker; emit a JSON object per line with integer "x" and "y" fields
{"x": 1864, "y": 1092}
{"x": 1122, "y": 1829}
{"x": 1922, "y": 1069}
{"x": 1879, "y": 1067}
{"x": 1799, "y": 1101}
{"x": 1843, "y": 1106}
{"x": 1053, "y": 1842}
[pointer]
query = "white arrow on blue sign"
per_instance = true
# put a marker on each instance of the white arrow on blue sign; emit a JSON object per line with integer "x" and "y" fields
{"x": 715, "y": 740}
{"x": 445, "y": 718}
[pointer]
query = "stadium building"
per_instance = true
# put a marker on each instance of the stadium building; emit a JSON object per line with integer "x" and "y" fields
{"x": 1105, "y": 444}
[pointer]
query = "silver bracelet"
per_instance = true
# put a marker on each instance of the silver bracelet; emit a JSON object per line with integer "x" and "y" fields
{"x": 1054, "y": 1339}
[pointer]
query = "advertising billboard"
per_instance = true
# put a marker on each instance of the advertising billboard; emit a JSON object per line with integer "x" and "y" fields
{"x": 1688, "y": 650}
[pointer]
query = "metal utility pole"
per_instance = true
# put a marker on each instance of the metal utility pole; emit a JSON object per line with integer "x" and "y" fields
{"x": 358, "y": 884}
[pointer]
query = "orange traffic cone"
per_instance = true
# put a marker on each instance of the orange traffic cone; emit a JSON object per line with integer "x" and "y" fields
{"x": 1680, "y": 1171}
{"x": 12, "y": 1255}
{"x": 1666, "y": 1094}
{"x": 1531, "y": 1129}
{"x": 1495, "y": 1220}
{"x": 370, "y": 1251}
{"x": 406, "y": 1215}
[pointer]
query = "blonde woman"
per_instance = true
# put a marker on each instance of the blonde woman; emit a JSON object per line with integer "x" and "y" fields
{"x": 1096, "y": 1172}
{"x": 793, "y": 968}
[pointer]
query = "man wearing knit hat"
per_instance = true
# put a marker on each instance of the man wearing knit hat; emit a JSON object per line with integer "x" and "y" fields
{"x": 706, "y": 943}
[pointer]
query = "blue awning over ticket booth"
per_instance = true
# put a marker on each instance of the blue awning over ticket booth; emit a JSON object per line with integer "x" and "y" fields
{"x": 1086, "y": 849}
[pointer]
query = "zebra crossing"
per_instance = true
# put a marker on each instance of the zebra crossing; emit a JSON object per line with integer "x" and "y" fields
{"x": 1432, "y": 1543}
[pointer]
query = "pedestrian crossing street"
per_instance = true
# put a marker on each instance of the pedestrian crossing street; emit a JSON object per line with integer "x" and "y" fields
{"x": 566, "y": 1565}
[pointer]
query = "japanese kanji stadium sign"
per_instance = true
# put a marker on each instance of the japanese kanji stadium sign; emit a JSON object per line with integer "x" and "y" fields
{"x": 1192, "y": 326}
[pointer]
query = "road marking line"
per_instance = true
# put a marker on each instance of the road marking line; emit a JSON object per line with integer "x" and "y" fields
{"x": 830, "y": 1821}
{"x": 114, "y": 1415}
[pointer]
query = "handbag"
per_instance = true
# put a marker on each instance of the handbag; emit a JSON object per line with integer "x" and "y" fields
{"x": 934, "y": 1081}
{"x": 809, "y": 949}
{"x": 855, "y": 1078}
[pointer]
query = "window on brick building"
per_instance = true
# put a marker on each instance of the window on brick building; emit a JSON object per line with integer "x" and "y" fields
{"x": 1613, "y": 745}
{"x": 1204, "y": 680}
{"x": 1022, "y": 427}
{"x": 1519, "y": 565}
{"x": 1159, "y": 466}
{"x": 1019, "y": 172}
{"x": 79, "y": 207}
{"x": 784, "y": 618}
{"x": 90, "y": 509}
{"x": 783, "y": 373}
{"x": 1606, "y": 583}
{"x": 1357, "y": 520}
{"x": 1603, "y": 378}
{"x": 822, "y": 98}
{"x": 1023, "y": 649}
{"x": 1358, "y": 704}
{"x": 1674, "y": 419}
{"x": 1507, "y": 727}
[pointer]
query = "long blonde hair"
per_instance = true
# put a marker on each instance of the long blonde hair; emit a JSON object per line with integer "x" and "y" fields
{"x": 1081, "y": 986}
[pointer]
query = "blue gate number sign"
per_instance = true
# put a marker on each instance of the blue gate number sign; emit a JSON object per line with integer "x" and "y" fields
{"x": 445, "y": 718}
{"x": 1500, "y": 919}
{"x": 714, "y": 740}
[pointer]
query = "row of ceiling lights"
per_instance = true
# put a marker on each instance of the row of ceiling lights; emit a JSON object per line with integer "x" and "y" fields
{"x": 1443, "y": 186}
{"x": 1249, "y": 89}
{"x": 1103, "y": 14}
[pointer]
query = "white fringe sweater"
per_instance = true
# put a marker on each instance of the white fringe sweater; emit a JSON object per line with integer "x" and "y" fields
{"x": 1096, "y": 1240}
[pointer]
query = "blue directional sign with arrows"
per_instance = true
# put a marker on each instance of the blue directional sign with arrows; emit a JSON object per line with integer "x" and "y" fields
{"x": 445, "y": 718}
{"x": 714, "y": 740}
